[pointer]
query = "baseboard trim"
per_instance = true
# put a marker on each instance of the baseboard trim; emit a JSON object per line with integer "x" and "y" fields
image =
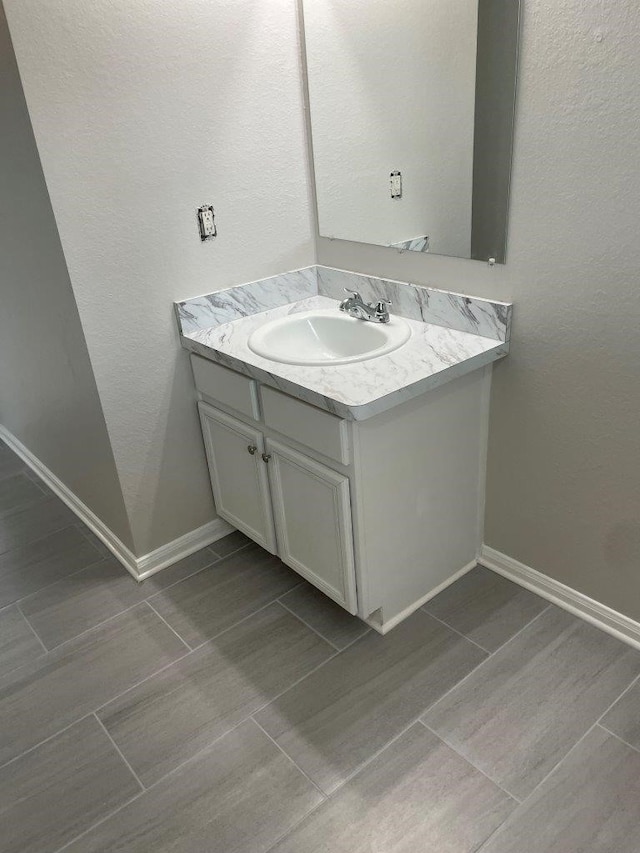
{"x": 178, "y": 549}
{"x": 617, "y": 624}
{"x": 139, "y": 567}
{"x": 385, "y": 627}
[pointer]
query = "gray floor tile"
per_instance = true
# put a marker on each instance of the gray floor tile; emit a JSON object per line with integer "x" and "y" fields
{"x": 79, "y": 602}
{"x": 589, "y": 804}
{"x": 523, "y": 710}
{"x": 417, "y": 795}
{"x": 624, "y": 718}
{"x": 213, "y": 600}
{"x": 18, "y": 643}
{"x": 173, "y": 715}
{"x": 18, "y": 492}
{"x": 338, "y": 717}
{"x": 90, "y": 536}
{"x": 239, "y": 796}
{"x": 36, "y": 521}
{"x": 324, "y": 615}
{"x": 43, "y": 697}
{"x": 61, "y": 789}
{"x": 31, "y": 567}
{"x": 228, "y": 544}
{"x": 10, "y": 463}
{"x": 179, "y": 571}
{"x": 486, "y": 607}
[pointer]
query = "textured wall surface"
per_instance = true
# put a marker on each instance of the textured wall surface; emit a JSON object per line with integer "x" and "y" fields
{"x": 142, "y": 111}
{"x": 392, "y": 86}
{"x": 564, "y": 457}
{"x": 48, "y": 395}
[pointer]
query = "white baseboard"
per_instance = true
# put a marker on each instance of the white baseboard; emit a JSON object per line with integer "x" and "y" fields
{"x": 603, "y": 617}
{"x": 385, "y": 627}
{"x": 178, "y": 549}
{"x": 139, "y": 567}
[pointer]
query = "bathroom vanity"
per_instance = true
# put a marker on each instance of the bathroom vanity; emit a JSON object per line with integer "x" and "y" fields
{"x": 366, "y": 477}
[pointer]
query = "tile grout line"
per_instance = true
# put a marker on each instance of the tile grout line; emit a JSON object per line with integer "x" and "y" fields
{"x": 113, "y": 615}
{"x": 33, "y": 630}
{"x": 235, "y": 624}
{"x": 560, "y": 761}
{"x": 102, "y": 820}
{"x": 306, "y": 675}
{"x": 119, "y": 751}
{"x": 93, "y": 711}
{"x": 579, "y": 741}
{"x": 635, "y": 681}
{"x": 101, "y": 624}
{"x": 29, "y": 542}
{"x": 617, "y": 737}
{"x": 173, "y": 631}
{"x": 376, "y": 754}
{"x": 231, "y": 553}
{"x": 311, "y": 628}
{"x": 45, "y": 740}
{"x": 148, "y": 790}
{"x": 455, "y": 630}
{"x": 49, "y": 585}
{"x": 293, "y": 828}
{"x": 471, "y": 764}
{"x": 290, "y": 759}
{"x": 524, "y": 628}
{"x": 294, "y": 684}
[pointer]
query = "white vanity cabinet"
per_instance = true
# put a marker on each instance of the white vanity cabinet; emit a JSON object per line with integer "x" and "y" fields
{"x": 284, "y": 500}
{"x": 379, "y": 514}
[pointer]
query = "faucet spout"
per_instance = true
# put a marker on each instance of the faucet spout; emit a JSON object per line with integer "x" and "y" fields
{"x": 356, "y": 307}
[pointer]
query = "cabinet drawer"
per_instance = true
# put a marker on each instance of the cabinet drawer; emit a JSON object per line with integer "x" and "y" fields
{"x": 305, "y": 423}
{"x": 225, "y": 386}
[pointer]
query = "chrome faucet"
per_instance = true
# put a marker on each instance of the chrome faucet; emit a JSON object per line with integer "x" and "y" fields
{"x": 355, "y": 306}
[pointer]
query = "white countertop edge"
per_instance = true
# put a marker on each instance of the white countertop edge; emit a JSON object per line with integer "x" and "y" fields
{"x": 344, "y": 409}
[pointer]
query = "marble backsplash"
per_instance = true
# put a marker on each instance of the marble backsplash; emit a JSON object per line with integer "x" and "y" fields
{"x": 223, "y": 306}
{"x": 484, "y": 317}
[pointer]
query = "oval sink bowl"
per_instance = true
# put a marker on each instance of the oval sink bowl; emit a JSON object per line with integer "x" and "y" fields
{"x": 326, "y": 338}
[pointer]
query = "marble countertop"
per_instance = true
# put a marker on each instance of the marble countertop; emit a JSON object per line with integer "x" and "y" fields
{"x": 433, "y": 355}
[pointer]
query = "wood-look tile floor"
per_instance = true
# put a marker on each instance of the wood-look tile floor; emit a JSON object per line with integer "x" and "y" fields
{"x": 225, "y": 706}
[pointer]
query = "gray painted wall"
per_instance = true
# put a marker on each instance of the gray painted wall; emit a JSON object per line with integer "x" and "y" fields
{"x": 564, "y": 479}
{"x": 48, "y": 396}
{"x": 142, "y": 112}
{"x": 564, "y": 457}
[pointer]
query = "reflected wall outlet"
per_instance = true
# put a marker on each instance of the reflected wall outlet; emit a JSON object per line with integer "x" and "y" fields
{"x": 206, "y": 222}
{"x": 395, "y": 180}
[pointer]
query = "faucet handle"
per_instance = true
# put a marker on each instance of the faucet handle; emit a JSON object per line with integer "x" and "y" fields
{"x": 381, "y": 310}
{"x": 354, "y": 293}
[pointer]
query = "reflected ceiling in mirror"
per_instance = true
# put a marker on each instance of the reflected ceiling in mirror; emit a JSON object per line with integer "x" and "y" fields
{"x": 412, "y": 106}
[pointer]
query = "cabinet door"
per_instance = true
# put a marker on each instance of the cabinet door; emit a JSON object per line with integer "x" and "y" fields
{"x": 238, "y": 474}
{"x": 312, "y": 513}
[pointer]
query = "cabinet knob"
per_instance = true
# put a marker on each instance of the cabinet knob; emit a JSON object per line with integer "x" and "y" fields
{"x": 252, "y": 449}
{"x": 266, "y": 457}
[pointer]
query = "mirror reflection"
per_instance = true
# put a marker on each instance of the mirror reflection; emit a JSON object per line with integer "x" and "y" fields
{"x": 412, "y": 116}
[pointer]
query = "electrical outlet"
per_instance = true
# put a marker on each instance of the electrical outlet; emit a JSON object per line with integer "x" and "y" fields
{"x": 395, "y": 180}
{"x": 206, "y": 222}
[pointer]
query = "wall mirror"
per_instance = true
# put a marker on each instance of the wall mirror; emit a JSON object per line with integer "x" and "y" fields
{"x": 412, "y": 106}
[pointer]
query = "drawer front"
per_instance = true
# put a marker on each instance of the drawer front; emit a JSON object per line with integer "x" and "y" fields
{"x": 302, "y": 422}
{"x": 225, "y": 386}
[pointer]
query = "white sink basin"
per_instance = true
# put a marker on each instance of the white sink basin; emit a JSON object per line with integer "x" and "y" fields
{"x": 326, "y": 338}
